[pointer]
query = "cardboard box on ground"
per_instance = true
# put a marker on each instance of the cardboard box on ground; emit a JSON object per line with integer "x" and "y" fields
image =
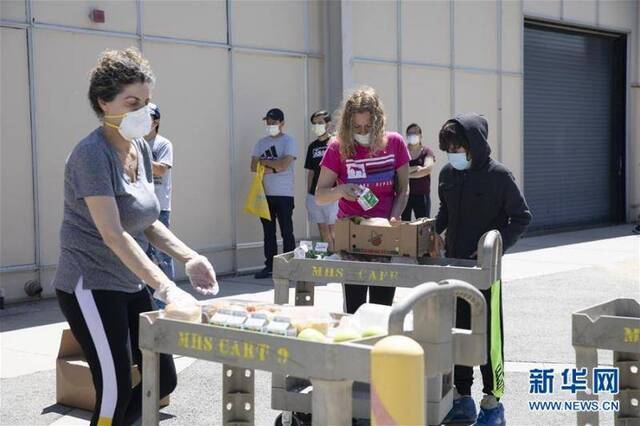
{"x": 74, "y": 385}
{"x": 413, "y": 239}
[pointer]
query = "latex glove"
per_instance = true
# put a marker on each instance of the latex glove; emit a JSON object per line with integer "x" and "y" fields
{"x": 169, "y": 292}
{"x": 202, "y": 276}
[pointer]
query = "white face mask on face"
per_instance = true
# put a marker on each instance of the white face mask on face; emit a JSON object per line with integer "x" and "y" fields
{"x": 319, "y": 129}
{"x": 134, "y": 125}
{"x": 413, "y": 139}
{"x": 459, "y": 160}
{"x": 273, "y": 130}
{"x": 362, "y": 139}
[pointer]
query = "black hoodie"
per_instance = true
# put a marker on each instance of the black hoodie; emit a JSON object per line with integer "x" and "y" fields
{"x": 479, "y": 199}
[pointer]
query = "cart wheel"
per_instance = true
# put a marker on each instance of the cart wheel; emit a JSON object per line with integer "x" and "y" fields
{"x": 283, "y": 420}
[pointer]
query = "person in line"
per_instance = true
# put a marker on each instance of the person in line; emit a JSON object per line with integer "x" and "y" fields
{"x": 277, "y": 152}
{"x": 110, "y": 216}
{"x": 420, "y": 167}
{"x": 323, "y": 215}
{"x": 364, "y": 154}
{"x": 161, "y": 163}
{"x": 478, "y": 194}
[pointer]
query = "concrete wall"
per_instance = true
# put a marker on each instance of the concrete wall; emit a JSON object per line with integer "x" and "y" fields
{"x": 432, "y": 59}
{"x": 220, "y": 65}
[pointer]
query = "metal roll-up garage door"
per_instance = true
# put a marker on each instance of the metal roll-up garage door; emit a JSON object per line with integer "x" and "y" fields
{"x": 573, "y": 127}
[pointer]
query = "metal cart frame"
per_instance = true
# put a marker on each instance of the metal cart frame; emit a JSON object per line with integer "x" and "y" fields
{"x": 290, "y": 394}
{"x": 614, "y": 326}
{"x": 331, "y": 368}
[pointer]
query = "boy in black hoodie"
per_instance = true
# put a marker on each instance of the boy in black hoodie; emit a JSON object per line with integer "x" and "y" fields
{"x": 478, "y": 194}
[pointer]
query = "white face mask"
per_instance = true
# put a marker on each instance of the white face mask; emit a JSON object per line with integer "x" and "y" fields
{"x": 413, "y": 139}
{"x": 459, "y": 160}
{"x": 134, "y": 125}
{"x": 319, "y": 129}
{"x": 273, "y": 130}
{"x": 362, "y": 139}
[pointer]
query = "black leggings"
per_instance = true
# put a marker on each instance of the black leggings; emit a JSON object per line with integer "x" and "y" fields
{"x": 356, "y": 295}
{"x": 105, "y": 323}
{"x": 419, "y": 205}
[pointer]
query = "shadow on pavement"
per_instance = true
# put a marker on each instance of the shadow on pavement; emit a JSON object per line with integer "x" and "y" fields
{"x": 563, "y": 238}
{"x": 46, "y": 311}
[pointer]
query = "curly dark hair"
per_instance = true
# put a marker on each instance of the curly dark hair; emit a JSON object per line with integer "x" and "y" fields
{"x": 452, "y": 135}
{"x": 116, "y": 69}
{"x": 322, "y": 114}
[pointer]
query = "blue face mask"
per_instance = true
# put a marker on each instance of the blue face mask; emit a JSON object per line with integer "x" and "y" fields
{"x": 459, "y": 160}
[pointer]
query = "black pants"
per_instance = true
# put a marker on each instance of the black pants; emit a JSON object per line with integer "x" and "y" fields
{"x": 281, "y": 209}
{"x": 356, "y": 295}
{"x": 493, "y": 370}
{"x": 420, "y": 205}
{"x": 105, "y": 323}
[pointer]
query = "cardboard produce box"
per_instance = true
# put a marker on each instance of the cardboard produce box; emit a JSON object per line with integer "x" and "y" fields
{"x": 413, "y": 239}
{"x": 74, "y": 385}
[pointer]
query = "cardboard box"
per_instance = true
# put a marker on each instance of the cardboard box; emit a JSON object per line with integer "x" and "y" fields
{"x": 413, "y": 239}
{"x": 74, "y": 385}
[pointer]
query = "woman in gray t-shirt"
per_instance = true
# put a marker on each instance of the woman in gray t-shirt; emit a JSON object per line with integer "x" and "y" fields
{"x": 110, "y": 216}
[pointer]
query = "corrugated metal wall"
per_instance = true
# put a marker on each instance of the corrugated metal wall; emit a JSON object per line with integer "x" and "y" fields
{"x": 568, "y": 120}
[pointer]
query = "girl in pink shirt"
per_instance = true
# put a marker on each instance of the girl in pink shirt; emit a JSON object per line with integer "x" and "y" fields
{"x": 364, "y": 154}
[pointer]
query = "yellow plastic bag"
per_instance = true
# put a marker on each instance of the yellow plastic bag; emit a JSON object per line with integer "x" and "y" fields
{"x": 256, "y": 202}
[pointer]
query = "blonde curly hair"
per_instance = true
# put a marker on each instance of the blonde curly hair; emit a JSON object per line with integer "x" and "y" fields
{"x": 362, "y": 99}
{"x": 114, "y": 70}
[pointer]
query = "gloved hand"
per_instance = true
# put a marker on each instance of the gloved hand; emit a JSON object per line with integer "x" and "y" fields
{"x": 202, "y": 276}
{"x": 168, "y": 292}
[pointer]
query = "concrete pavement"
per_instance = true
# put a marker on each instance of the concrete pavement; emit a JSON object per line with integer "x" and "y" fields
{"x": 545, "y": 279}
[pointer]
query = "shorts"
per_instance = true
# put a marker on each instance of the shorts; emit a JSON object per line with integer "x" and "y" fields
{"x": 326, "y": 214}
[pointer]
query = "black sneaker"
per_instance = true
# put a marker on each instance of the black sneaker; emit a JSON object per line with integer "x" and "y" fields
{"x": 636, "y": 230}
{"x": 265, "y": 273}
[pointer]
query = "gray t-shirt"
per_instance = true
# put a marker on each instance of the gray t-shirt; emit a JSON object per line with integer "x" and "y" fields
{"x": 162, "y": 152}
{"x": 268, "y": 148}
{"x": 93, "y": 169}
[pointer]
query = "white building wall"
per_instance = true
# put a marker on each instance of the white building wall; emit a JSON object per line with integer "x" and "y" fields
{"x": 221, "y": 65}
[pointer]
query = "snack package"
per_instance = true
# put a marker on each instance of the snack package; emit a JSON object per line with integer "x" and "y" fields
{"x": 232, "y": 316}
{"x": 183, "y": 312}
{"x": 281, "y": 326}
{"x": 257, "y": 321}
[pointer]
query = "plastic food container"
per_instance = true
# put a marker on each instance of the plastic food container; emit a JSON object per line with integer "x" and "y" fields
{"x": 371, "y": 315}
{"x": 233, "y": 316}
{"x": 302, "y": 317}
{"x": 211, "y": 307}
{"x": 282, "y": 326}
{"x": 257, "y": 321}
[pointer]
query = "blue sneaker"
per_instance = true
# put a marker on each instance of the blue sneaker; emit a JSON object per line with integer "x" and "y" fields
{"x": 463, "y": 411}
{"x": 491, "y": 416}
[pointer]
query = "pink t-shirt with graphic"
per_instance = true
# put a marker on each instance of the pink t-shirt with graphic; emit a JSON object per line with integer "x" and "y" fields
{"x": 376, "y": 171}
